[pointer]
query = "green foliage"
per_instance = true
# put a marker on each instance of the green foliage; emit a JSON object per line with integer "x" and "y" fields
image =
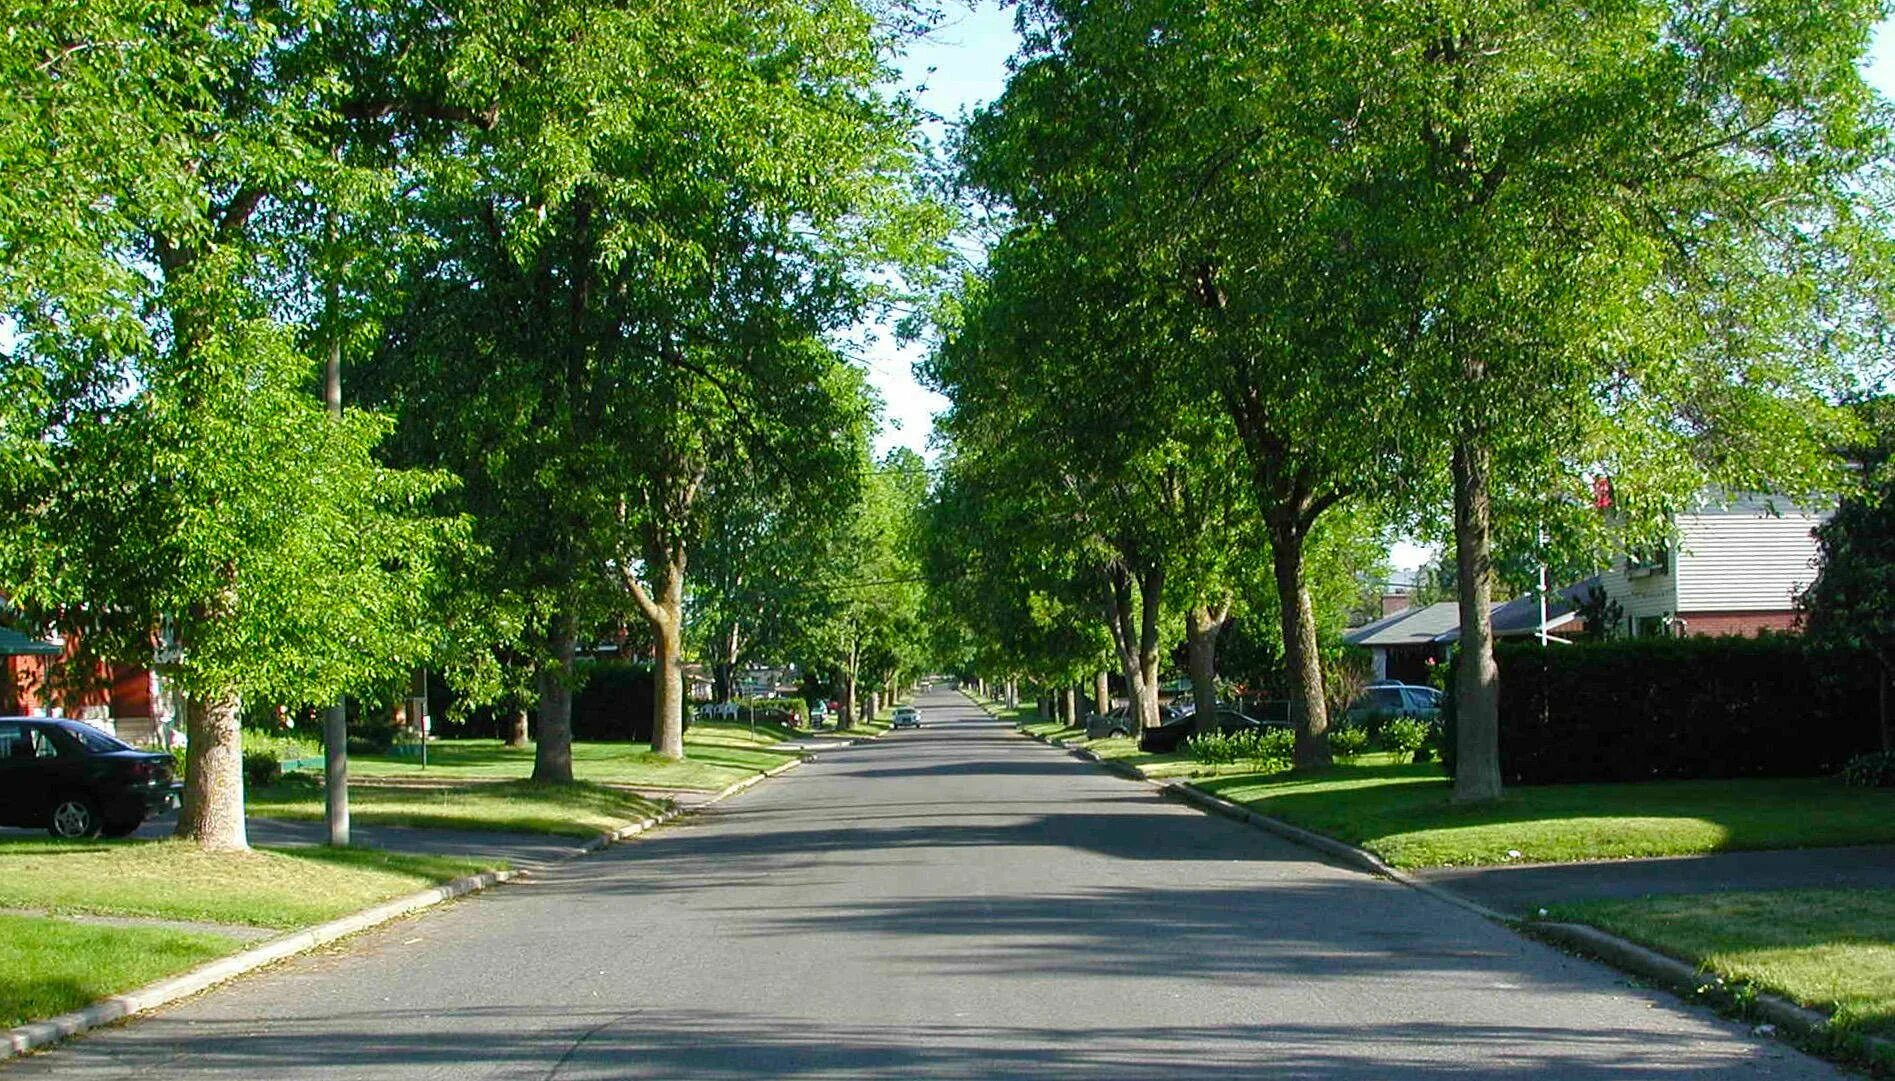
{"x": 1644, "y": 708}
{"x": 1348, "y": 741}
{"x": 1874, "y": 770}
{"x": 1267, "y": 750}
{"x": 1405, "y": 736}
{"x": 261, "y": 769}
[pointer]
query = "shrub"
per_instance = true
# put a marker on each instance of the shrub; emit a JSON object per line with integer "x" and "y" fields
{"x": 180, "y": 756}
{"x": 1348, "y": 741}
{"x": 1876, "y": 770}
{"x": 1212, "y": 748}
{"x": 1266, "y": 751}
{"x": 1271, "y": 750}
{"x": 1406, "y": 736}
{"x": 261, "y": 769}
{"x": 1680, "y": 708}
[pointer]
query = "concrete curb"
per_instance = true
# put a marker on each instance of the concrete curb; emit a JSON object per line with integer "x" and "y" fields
{"x": 1622, "y": 954}
{"x": 38, "y": 1034}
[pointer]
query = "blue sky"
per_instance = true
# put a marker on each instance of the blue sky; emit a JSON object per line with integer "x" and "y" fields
{"x": 963, "y": 64}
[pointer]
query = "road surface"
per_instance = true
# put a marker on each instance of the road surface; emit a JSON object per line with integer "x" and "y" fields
{"x": 949, "y": 902}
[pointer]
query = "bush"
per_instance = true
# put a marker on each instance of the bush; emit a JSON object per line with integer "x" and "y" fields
{"x": 1875, "y": 770}
{"x": 1348, "y": 741}
{"x": 180, "y": 756}
{"x": 261, "y": 769}
{"x": 1406, "y": 736}
{"x": 1212, "y": 748}
{"x": 1680, "y": 708}
{"x": 1267, "y": 751}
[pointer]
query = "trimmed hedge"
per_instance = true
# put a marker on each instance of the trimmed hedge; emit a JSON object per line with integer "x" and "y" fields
{"x": 1680, "y": 708}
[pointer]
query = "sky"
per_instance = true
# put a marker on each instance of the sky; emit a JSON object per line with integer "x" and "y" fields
{"x": 962, "y": 65}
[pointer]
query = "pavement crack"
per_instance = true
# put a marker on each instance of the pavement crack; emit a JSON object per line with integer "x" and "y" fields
{"x": 553, "y": 1074}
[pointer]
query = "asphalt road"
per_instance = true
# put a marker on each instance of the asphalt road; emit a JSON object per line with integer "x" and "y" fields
{"x": 952, "y": 902}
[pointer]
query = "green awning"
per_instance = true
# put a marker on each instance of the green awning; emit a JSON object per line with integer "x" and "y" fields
{"x": 13, "y": 643}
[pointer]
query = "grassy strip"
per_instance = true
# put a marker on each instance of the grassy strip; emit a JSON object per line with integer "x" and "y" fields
{"x": 49, "y": 966}
{"x": 574, "y": 810}
{"x": 1832, "y": 950}
{"x": 718, "y": 753}
{"x": 279, "y": 888}
{"x": 1125, "y": 750}
{"x": 1402, "y": 813}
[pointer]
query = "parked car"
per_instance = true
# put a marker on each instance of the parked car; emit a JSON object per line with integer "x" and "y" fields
{"x": 1386, "y": 699}
{"x": 75, "y": 781}
{"x": 1119, "y": 722}
{"x": 818, "y": 713}
{"x": 907, "y": 717}
{"x": 1171, "y": 735}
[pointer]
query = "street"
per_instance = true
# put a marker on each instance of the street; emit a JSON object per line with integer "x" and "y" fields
{"x": 950, "y": 902}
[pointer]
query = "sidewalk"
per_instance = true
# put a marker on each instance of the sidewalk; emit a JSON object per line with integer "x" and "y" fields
{"x": 1521, "y": 890}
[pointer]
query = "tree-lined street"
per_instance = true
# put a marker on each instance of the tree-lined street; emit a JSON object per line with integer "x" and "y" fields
{"x": 950, "y": 902}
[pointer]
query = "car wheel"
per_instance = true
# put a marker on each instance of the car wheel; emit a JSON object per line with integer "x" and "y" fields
{"x": 73, "y": 818}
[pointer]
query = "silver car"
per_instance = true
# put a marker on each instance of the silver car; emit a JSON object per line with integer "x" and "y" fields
{"x": 907, "y": 717}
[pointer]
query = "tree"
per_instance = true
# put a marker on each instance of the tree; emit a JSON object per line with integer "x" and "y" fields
{"x": 1851, "y": 604}
{"x": 1179, "y": 147}
{"x": 182, "y": 485}
{"x": 640, "y": 250}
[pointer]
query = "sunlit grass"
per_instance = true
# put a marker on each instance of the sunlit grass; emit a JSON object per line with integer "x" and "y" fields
{"x": 49, "y": 966}
{"x": 287, "y": 887}
{"x": 574, "y": 810}
{"x": 1828, "y": 949}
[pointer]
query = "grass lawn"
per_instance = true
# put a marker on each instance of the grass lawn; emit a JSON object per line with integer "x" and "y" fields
{"x": 1829, "y": 949}
{"x": 717, "y": 753}
{"x": 49, "y": 966}
{"x": 575, "y": 810}
{"x": 280, "y": 888}
{"x": 1401, "y": 813}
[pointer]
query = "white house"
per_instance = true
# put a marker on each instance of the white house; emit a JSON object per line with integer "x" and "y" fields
{"x": 1735, "y": 568}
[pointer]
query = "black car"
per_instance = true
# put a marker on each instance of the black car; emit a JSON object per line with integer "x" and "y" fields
{"x": 1120, "y": 722}
{"x": 76, "y": 781}
{"x": 1170, "y": 736}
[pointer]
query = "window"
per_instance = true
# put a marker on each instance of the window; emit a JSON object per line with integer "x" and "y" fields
{"x": 94, "y": 740}
{"x": 14, "y": 742}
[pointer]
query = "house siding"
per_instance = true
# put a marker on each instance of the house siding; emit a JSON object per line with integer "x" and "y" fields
{"x": 1743, "y": 563}
{"x": 1643, "y": 597}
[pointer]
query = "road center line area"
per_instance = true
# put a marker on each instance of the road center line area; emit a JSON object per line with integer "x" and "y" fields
{"x": 952, "y": 901}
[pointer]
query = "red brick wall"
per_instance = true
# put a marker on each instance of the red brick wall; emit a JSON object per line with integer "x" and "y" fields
{"x": 1748, "y": 624}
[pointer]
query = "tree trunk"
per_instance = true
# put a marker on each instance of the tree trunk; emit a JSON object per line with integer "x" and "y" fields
{"x": 1101, "y": 693}
{"x": 516, "y": 728}
{"x": 212, "y": 814}
{"x": 1202, "y": 627}
{"x": 846, "y": 718}
{"x": 1301, "y": 653}
{"x": 552, "y": 755}
{"x": 335, "y": 773}
{"x": 1068, "y": 707}
{"x": 1477, "y": 679}
{"x": 1135, "y": 608}
{"x": 1013, "y": 694}
{"x": 667, "y": 704}
{"x": 874, "y": 706}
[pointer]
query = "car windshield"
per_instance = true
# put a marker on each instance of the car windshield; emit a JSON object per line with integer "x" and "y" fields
{"x": 94, "y": 740}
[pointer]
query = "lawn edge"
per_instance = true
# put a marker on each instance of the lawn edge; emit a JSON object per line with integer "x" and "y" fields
{"x": 1689, "y": 982}
{"x": 35, "y": 1035}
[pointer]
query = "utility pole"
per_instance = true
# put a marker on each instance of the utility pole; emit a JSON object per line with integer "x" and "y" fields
{"x": 335, "y": 719}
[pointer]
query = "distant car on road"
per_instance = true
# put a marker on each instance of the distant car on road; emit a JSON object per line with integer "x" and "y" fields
{"x": 907, "y": 717}
{"x": 1171, "y": 735}
{"x": 75, "y": 781}
{"x": 1388, "y": 699}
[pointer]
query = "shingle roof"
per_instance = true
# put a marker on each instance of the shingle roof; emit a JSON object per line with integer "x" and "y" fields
{"x": 1409, "y": 627}
{"x": 14, "y": 643}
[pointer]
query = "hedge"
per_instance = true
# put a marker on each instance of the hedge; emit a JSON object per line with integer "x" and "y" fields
{"x": 1680, "y": 708}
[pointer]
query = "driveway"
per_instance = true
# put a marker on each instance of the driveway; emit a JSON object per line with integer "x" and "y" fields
{"x": 950, "y": 902}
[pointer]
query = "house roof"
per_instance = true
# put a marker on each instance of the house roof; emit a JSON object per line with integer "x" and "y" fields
{"x": 1521, "y": 616}
{"x": 13, "y": 643}
{"x": 1408, "y": 627}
